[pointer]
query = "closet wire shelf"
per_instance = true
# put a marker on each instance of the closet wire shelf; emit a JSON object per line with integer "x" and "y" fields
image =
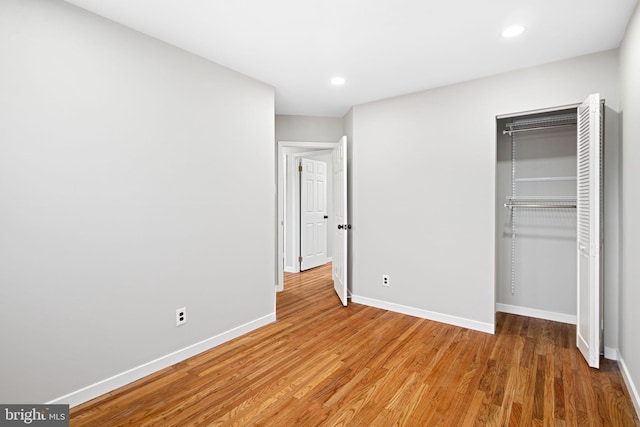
{"x": 541, "y": 202}
{"x": 547, "y": 122}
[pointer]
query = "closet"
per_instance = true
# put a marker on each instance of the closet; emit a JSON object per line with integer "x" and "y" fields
{"x": 549, "y": 164}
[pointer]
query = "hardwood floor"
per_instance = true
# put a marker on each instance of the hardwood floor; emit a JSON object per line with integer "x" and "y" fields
{"x": 323, "y": 364}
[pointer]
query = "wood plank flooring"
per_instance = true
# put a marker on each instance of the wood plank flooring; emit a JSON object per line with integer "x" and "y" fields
{"x": 323, "y": 364}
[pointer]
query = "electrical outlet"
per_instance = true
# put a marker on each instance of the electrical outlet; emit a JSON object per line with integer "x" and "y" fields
{"x": 181, "y": 316}
{"x": 385, "y": 280}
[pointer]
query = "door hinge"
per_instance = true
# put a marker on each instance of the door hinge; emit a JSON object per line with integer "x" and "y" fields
{"x": 299, "y": 168}
{"x": 299, "y": 259}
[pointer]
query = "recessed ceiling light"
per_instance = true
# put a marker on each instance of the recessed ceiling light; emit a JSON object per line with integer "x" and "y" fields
{"x": 512, "y": 31}
{"x": 337, "y": 81}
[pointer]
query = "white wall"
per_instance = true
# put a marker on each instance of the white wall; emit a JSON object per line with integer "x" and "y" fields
{"x": 424, "y": 185}
{"x": 630, "y": 212}
{"x": 308, "y": 128}
{"x": 130, "y": 175}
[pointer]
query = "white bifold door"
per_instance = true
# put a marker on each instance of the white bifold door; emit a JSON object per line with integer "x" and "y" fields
{"x": 589, "y": 221}
{"x": 313, "y": 213}
{"x": 341, "y": 231}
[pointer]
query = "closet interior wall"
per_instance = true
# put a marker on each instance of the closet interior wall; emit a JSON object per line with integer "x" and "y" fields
{"x": 536, "y": 258}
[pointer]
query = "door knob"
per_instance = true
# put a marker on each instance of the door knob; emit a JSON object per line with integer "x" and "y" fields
{"x": 339, "y": 226}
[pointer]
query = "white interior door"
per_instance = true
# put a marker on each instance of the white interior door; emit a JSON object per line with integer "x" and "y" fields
{"x": 313, "y": 213}
{"x": 340, "y": 214}
{"x": 589, "y": 182}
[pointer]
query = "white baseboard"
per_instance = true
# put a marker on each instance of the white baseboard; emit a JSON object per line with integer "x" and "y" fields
{"x": 533, "y": 312}
{"x": 330, "y": 259}
{"x": 633, "y": 391}
{"x": 425, "y": 314}
{"x": 611, "y": 353}
{"x": 105, "y": 386}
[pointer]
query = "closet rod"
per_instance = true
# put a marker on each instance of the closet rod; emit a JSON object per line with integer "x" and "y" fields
{"x": 546, "y": 179}
{"x": 510, "y": 132}
{"x": 536, "y": 206}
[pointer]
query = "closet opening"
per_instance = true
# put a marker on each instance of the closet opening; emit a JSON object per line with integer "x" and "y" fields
{"x": 542, "y": 188}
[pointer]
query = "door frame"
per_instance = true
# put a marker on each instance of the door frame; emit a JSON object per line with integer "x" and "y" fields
{"x": 280, "y": 197}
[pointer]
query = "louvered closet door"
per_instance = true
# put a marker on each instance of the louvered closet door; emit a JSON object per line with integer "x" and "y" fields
{"x": 589, "y": 313}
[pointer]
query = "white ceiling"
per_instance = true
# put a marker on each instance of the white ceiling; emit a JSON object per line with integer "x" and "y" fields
{"x": 382, "y": 48}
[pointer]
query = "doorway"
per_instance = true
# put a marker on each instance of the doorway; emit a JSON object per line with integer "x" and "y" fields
{"x": 338, "y": 212}
{"x": 288, "y": 250}
{"x": 549, "y": 218}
